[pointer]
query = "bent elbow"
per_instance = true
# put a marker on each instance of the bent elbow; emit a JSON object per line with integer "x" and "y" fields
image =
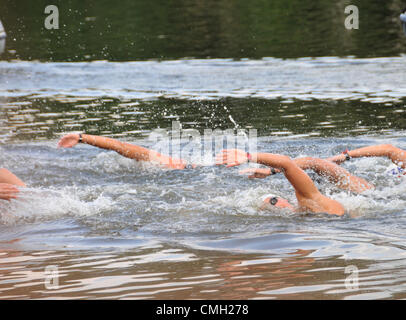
{"x": 286, "y": 159}
{"x": 289, "y": 163}
{"x": 307, "y": 162}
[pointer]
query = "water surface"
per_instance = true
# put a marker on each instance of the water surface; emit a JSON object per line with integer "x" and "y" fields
{"x": 116, "y": 228}
{"x": 162, "y": 30}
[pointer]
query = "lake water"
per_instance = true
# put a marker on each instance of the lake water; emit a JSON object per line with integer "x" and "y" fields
{"x": 112, "y": 228}
{"x": 115, "y": 228}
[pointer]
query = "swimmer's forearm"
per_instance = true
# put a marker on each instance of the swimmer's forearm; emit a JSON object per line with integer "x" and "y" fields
{"x": 302, "y": 163}
{"x": 271, "y": 160}
{"x": 337, "y": 159}
{"x": 307, "y": 163}
{"x": 372, "y": 151}
{"x": 321, "y": 167}
{"x": 335, "y": 174}
{"x": 133, "y": 151}
{"x": 398, "y": 156}
{"x": 125, "y": 149}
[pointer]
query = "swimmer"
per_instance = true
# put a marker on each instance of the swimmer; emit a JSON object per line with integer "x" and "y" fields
{"x": 125, "y": 149}
{"x": 396, "y": 155}
{"x": 333, "y": 172}
{"x": 308, "y": 196}
{"x": 8, "y": 185}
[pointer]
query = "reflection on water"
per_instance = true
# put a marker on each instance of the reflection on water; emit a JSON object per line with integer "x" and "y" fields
{"x": 278, "y": 97}
{"x": 160, "y": 273}
{"x": 41, "y": 119}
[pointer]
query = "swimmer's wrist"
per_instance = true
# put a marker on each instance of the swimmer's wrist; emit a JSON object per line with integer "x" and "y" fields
{"x": 347, "y": 155}
{"x": 251, "y": 157}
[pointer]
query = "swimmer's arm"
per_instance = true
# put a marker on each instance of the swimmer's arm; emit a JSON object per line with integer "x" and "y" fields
{"x": 337, "y": 159}
{"x": 398, "y": 156}
{"x": 8, "y": 177}
{"x": 302, "y": 183}
{"x": 125, "y": 149}
{"x": 334, "y": 173}
{"x": 259, "y": 173}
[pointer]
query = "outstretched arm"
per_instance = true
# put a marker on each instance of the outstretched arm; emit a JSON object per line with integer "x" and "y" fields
{"x": 398, "y": 156}
{"x": 125, "y": 149}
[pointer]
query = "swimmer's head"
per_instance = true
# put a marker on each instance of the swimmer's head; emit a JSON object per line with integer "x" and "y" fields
{"x": 277, "y": 202}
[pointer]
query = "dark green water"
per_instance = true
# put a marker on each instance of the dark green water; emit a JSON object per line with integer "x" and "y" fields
{"x": 138, "y": 30}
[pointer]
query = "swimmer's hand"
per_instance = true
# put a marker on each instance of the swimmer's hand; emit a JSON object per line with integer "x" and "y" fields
{"x": 232, "y": 157}
{"x": 337, "y": 159}
{"x": 69, "y": 141}
{"x": 259, "y": 173}
{"x": 8, "y": 191}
